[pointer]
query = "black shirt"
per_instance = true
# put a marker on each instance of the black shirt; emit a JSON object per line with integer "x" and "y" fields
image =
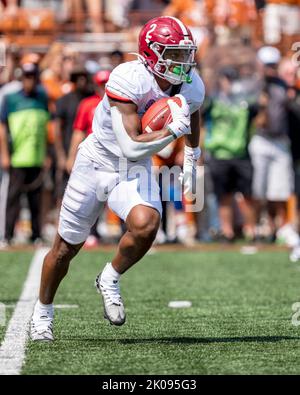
{"x": 293, "y": 107}
{"x": 66, "y": 108}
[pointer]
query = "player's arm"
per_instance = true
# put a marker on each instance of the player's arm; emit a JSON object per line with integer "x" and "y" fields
{"x": 192, "y": 153}
{"x": 192, "y": 140}
{"x": 127, "y": 127}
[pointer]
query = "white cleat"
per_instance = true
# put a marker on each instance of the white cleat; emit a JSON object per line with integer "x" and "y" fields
{"x": 295, "y": 254}
{"x": 114, "y": 310}
{"x": 41, "y": 328}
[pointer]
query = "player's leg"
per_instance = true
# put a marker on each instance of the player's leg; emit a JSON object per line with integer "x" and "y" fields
{"x": 142, "y": 225}
{"x": 55, "y": 267}
{"x": 132, "y": 202}
{"x": 79, "y": 211}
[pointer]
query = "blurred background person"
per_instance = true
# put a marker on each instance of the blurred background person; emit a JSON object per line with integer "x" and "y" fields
{"x": 288, "y": 72}
{"x": 23, "y": 141}
{"x": 176, "y": 225}
{"x": 66, "y": 109}
{"x": 116, "y": 57}
{"x": 87, "y": 14}
{"x": 10, "y": 74}
{"x": 270, "y": 148}
{"x": 192, "y": 14}
{"x": 84, "y": 116}
{"x": 227, "y": 116}
{"x": 57, "y": 66}
{"x": 281, "y": 22}
{"x": 9, "y": 7}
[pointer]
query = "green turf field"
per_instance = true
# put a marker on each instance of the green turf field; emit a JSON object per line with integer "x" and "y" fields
{"x": 239, "y": 323}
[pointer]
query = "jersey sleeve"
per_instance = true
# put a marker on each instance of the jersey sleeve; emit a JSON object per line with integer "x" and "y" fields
{"x": 124, "y": 84}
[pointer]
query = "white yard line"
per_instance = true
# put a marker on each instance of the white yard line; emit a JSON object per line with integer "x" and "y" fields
{"x": 12, "y": 350}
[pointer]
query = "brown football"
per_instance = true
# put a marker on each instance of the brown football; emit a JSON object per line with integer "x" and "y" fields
{"x": 158, "y": 115}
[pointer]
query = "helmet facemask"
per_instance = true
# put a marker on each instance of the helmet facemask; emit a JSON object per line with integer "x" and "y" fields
{"x": 175, "y": 62}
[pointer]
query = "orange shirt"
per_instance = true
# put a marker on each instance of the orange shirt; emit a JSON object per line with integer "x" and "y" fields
{"x": 188, "y": 11}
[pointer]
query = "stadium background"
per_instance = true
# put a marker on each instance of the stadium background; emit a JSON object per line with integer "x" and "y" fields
{"x": 70, "y": 42}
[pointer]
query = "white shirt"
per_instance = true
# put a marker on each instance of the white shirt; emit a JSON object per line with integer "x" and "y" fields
{"x": 131, "y": 82}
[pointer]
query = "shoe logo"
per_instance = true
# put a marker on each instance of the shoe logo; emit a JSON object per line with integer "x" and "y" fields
{"x": 115, "y": 281}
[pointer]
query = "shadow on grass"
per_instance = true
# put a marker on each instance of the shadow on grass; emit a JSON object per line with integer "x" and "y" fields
{"x": 209, "y": 340}
{"x": 184, "y": 340}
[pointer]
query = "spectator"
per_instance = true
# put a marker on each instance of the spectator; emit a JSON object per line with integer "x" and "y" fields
{"x": 192, "y": 14}
{"x": 227, "y": 116}
{"x": 9, "y": 78}
{"x": 184, "y": 224}
{"x": 94, "y": 9}
{"x": 9, "y": 7}
{"x": 85, "y": 114}
{"x": 116, "y": 58}
{"x": 66, "y": 109}
{"x": 282, "y": 21}
{"x": 24, "y": 116}
{"x": 56, "y": 67}
{"x": 270, "y": 147}
{"x": 288, "y": 72}
{"x": 116, "y": 12}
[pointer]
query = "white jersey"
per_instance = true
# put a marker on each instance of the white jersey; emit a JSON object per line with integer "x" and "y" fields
{"x": 130, "y": 82}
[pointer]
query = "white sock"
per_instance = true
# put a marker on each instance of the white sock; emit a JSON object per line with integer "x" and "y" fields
{"x": 109, "y": 273}
{"x": 41, "y": 309}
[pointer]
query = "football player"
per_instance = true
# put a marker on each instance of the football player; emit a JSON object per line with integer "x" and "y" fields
{"x": 164, "y": 68}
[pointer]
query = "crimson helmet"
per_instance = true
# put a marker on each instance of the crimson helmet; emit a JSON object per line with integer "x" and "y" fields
{"x": 168, "y": 48}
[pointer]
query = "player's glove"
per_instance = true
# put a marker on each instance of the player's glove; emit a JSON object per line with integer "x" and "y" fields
{"x": 188, "y": 177}
{"x": 181, "y": 119}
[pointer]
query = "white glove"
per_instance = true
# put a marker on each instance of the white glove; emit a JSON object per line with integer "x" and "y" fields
{"x": 189, "y": 175}
{"x": 181, "y": 119}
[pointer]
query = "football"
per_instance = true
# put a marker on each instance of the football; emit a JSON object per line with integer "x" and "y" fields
{"x": 158, "y": 115}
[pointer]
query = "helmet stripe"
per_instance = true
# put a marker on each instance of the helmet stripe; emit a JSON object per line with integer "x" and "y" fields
{"x": 183, "y": 28}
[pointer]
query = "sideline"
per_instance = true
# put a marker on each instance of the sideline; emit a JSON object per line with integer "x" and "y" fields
{"x": 12, "y": 350}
